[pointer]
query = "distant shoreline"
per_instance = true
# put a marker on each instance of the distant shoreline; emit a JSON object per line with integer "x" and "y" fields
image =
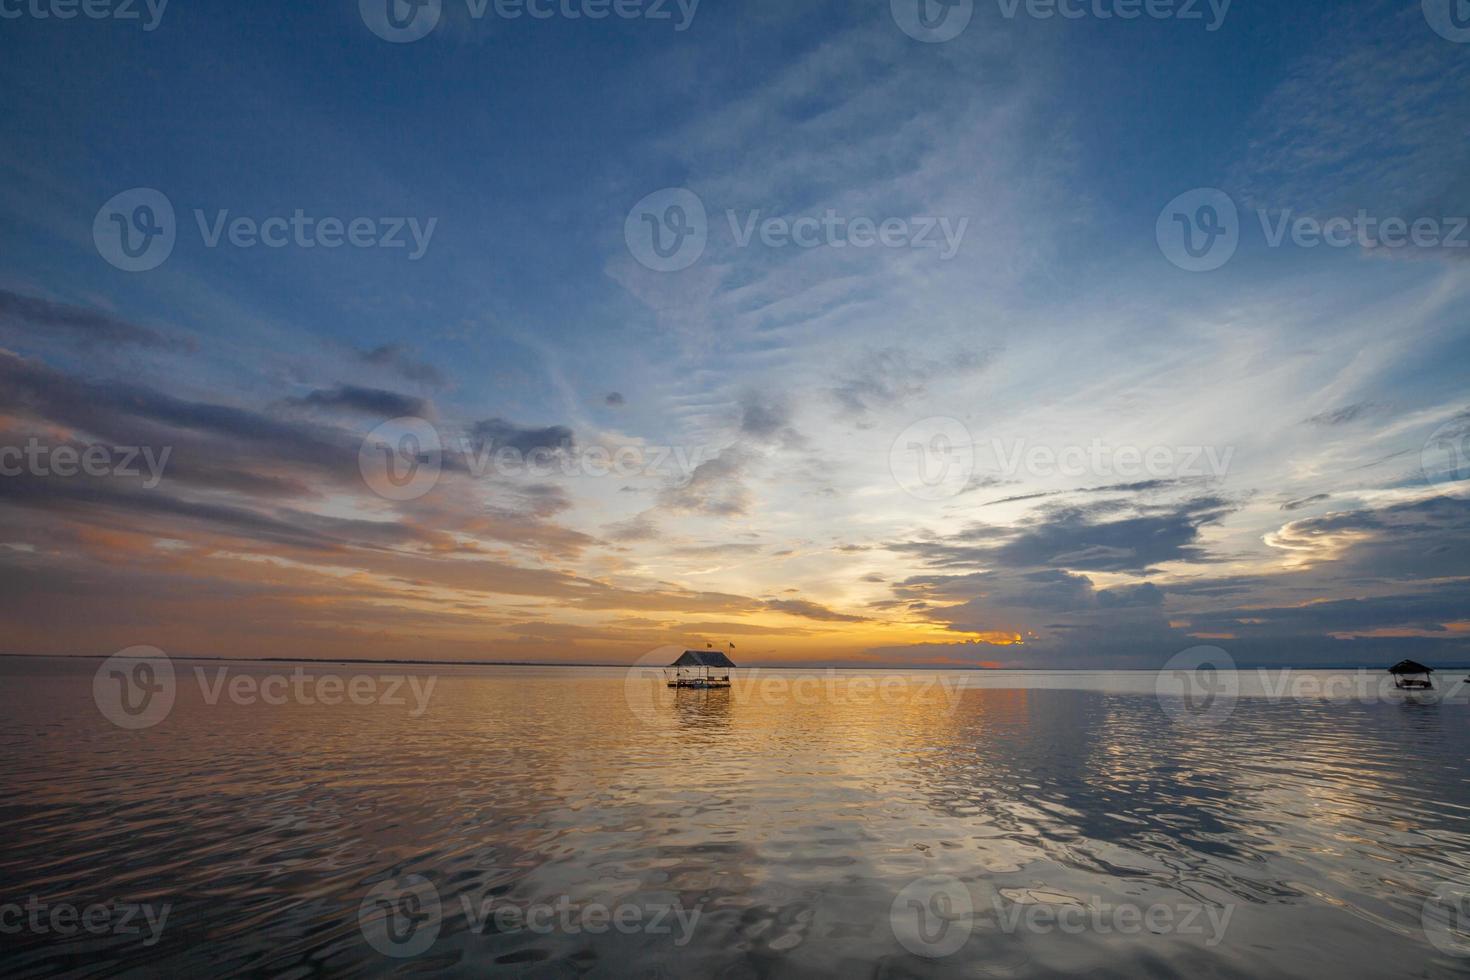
{"x": 361, "y": 661}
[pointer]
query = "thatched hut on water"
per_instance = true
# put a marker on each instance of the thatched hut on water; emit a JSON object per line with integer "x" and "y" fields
{"x": 701, "y": 668}
{"x": 1410, "y": 675}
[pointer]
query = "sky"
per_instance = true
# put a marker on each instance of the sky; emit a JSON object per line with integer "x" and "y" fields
{"x": 846, "y": 333}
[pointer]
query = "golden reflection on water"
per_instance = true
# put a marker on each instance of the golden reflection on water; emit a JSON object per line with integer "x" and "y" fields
{"x": 792, "y": 817}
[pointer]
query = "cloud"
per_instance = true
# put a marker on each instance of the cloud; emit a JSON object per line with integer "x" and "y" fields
{"x": 810, "y": 610}
{"x": 1344, "y": 415}
{"x": 716, "y": 488}
{"x": 396, "y": 359}
{"x": 640, "y": 528}
{"x": 1072, "y": 538}
{"x": 90, "y": 327}
{"x": 494, "y": 434}
{"x": 1315, "y": 498}
{"x": 375, "y": 402}
{"x": 890, "y": 376}
{"x": 768, "y": 420}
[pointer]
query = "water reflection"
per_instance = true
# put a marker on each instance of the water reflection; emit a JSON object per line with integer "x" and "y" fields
{"x": 791, "y": 824}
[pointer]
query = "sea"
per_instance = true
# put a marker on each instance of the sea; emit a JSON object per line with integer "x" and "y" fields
{"x": 174, "y": 818}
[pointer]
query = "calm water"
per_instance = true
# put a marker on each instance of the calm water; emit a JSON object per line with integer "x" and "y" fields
{"x": 1026, "y": 827}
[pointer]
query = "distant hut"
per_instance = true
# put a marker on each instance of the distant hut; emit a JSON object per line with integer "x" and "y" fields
{"x": 1410, "y": 675}
{"x": 701, "y": 668}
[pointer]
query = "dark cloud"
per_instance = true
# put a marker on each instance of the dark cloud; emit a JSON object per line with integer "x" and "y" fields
{"x": 79, "y": 324}
{"x": 767, "y": 419}
{"x": 394, "y": 358}
{"x": 1074, "y": 538}
{"x": 1344, "y": 415}
{"x": 890, "y": 376}
{"x": 810, "y": 610}
{"x": 1316, "y": 498}
{"x": 497, "y": 433}
{"x": 1141, "y": 486}
{"x": 716, "y": 488}
{"x": 1146, "y": 594}
{"x": 374, "y": 402}
{"x": 640, "y": 528}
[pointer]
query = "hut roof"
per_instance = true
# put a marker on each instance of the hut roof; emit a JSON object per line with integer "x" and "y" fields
{"x": 702, "y": 658}
{"x": 1410, "y": 667}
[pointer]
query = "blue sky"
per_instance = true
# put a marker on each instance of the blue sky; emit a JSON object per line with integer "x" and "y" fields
{"x": 1328, "y": 382}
